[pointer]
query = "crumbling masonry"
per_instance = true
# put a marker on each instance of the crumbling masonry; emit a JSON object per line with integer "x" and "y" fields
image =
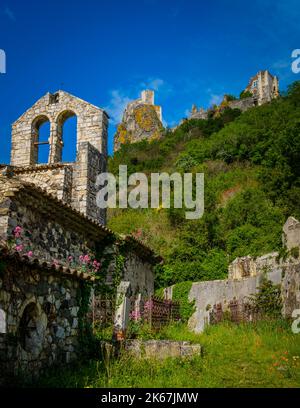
{"x": 48, "y": 220}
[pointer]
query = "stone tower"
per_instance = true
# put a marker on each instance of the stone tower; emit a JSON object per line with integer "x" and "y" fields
{"x": 142, "y": 119}
{"x": 74, "y": 182}
{"x": 264, "y": 87}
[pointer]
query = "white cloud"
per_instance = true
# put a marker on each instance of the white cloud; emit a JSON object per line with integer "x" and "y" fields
{"x": 119, "y": 98}
{"x": 157, "y": 84}
{"x": 215, "y": 99}
{"x": 281, "y": 64}
{"x": 187, "y": 113}
{"x": 10, "y": 14}
{"x": 117, "y": 104}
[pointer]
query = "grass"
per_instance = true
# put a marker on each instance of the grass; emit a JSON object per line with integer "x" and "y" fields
{"x": 265, "y": 354}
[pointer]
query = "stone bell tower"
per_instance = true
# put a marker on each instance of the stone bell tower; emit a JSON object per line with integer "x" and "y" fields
{"x": 74, "y": 182}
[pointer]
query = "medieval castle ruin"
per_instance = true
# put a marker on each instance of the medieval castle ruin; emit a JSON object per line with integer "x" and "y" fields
{"x": 142, "y": 119}
{"x": 262, "y": 88}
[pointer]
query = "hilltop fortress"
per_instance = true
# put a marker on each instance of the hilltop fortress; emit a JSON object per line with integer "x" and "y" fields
{"x": 262, "y": 88}
{"x": 142, "y": 119}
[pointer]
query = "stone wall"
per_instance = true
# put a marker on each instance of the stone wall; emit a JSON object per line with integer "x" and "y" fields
{"x": 55, "y": 179}
{"x": 140, "y": 274}
{"x": 53, "y": 240}
{"x": 244, "y": 276}
{"x": 290, "y": 288}
{"x": 74, "y": 183}
{"x": 247, "y": 266}
{"x": 242, "y": 104}
{"x": 210, "y": 293}
{"x": 291, "y": 233}
{"x": 92, "y": 123}
{"x": 90, "y": 163}
{"x": 39, "y": 318}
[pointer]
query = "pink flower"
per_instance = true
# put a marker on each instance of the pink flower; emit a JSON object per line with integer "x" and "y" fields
{"x": 148, "y": 305}
{"x": 17, "y": 231}
{"x": 19, "y": 248}
{"x": 81, "y": 258}
{"x": 96, "y": 265}
{"x": 70, "y": 258}
{"x": 29, "y": 254}
{"x": 135, "y": 315}
{"x": 86, "y": 259}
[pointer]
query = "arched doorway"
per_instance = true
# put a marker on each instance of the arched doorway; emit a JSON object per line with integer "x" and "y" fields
{"x": 32, "y": 329}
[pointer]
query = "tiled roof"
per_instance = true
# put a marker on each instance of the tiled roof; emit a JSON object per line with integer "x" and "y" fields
{"x": 144, "y": 251}
{"x": 12, "y": 186}
{"x": 5, "y": 253}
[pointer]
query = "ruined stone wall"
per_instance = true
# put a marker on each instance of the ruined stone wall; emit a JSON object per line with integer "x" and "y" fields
{"x": 242, "y": 104}
{"x": 290, "y": 288}
{"x": 210, "y": 293}
{"x": 39, "y": 319}
{"x": 291, "y": 233}
{"x": 140, "y": 274}
{"x": 247, "y": 266}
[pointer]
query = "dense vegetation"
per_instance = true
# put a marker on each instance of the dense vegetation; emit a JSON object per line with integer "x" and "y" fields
{"x": 265, "y": 354}
{"x": 251, "y": 163}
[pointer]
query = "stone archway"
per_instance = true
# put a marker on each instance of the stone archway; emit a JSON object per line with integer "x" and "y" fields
{"x": 32, "y": 329}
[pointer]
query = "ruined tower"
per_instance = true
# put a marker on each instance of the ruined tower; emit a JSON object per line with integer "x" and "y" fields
{"x": 142, "y": 119}
{"x": 74, "y": 182}
{"x": 264, "y": 87}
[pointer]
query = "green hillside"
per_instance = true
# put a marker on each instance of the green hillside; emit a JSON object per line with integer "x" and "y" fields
{"x": 251, "y": 163}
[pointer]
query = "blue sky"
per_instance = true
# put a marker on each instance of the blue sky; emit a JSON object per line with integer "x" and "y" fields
{"x": 106, "y": 52}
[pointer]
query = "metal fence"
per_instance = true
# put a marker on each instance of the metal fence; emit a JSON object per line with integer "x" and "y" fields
{"x": 237, "y": 312}
{"x": 159, "y": 312}
{"x": 102, "y": 310}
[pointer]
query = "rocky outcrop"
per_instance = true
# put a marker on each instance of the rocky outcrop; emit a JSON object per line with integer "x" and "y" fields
{"x": 141, "y": 120}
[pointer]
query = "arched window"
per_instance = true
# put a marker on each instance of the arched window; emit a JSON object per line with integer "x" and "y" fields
{"x": 67, "y": 132}
{"x": 41, "y": 134}
{"x": 32, "y": 329}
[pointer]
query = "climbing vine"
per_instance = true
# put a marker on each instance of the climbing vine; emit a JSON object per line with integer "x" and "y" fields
{"x": 181, "y": 294}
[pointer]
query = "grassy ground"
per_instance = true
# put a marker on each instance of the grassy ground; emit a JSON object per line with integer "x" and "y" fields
{"x": 265, "y": 354}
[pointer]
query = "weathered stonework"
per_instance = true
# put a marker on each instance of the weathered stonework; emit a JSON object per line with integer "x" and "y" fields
{"x": 263, "y": 86}
{"x": 74, "y": 183}
{"x": 141, "y": 120}
{"x": 49, "y": 225}
{"x": 56, "y": 179}
{"x": 244, "y": 277}
{"x": 42, "y": 317}
{"x": 291, "y": 233}
{"x": 161, "y": 349}
{"x": 37, "y": 266}
{"x": 92, "y": 125}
